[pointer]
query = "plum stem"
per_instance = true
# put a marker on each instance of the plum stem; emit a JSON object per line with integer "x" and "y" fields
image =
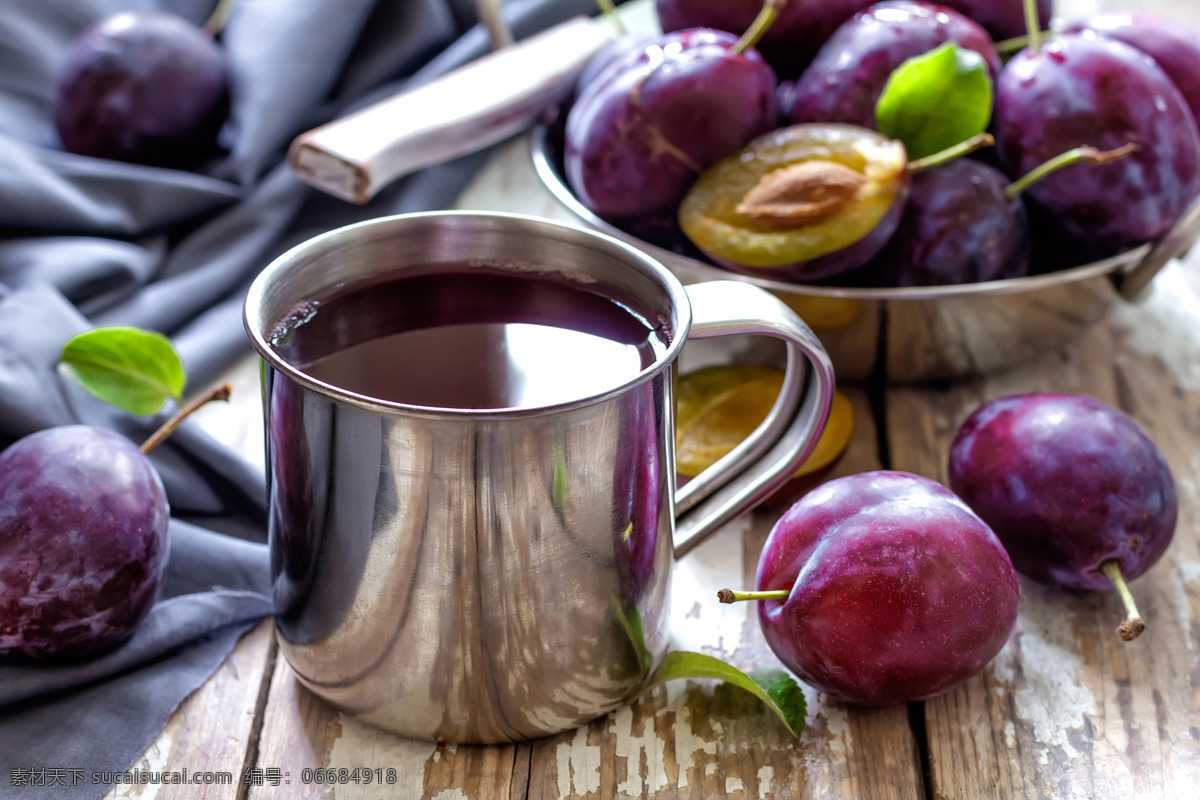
{"x": 732, "y": 596}
{"x": 1034, "y": 26}
{"x": 610, "y": 12}
{"x": 762, "y": 23}
{"x": 221, "y": 392}
{"x": 1080, "y": 155}
{"x": 219, "y": 17}
{"x": 1017, "y": 43}
{"x": 1133, "y": 625}
{"x": 491, "y": 17}
{"x": 977, "y": 142}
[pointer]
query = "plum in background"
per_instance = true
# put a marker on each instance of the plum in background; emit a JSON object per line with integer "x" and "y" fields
{"x": 144, "y": 87}
{"x": 1173, "y": 47}
{"x": 959, "y": 227}
{"x": 966, "y": 223}
{"x": 1084, "y": 89}
{"x": 845, "y": 80}
{"x": 1003, "y": 19}
{"x": 1068, "y": 483}
{"x": 802, "y": 27}
{"x": 638, "y": 136}
{"x": 896, "y": 591}
{"x": 624, "y": 51}
{"x": 83, "y": 542}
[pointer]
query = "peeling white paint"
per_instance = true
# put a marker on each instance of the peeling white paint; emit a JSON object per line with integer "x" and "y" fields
{"x": 838, "y": 726}
{"x": 1050, "y": 699}
{"x": 766, "y": 777}
{"x": 688, "y": 746}
{"x": 708, "y": 569}
{"x": 734, "y": 785}
{"x": 153, "y": 760}
{"x": 450, "y": 794}
{"x": 710, "y": 768}
{"x": 362, "y": 745}
{"x": 1010, "y": 735}
{"x": 1164, "y": 326}
{"x": 578, "y": 765}
{"x": 632, "y": 747}
{"x": 656, "y": 774}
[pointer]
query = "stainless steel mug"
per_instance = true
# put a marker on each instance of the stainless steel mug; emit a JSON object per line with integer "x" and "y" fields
{"x": 481, "y": 576}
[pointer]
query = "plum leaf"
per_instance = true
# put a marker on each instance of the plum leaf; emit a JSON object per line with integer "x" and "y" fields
{"x": 130, "y": 368}
{"x": 934, "y": 101}
{"x": 774, "y": 687}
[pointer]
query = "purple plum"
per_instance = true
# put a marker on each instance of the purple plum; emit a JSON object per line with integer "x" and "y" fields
{"x": 959, "y": 227}
{"x": 623, "y": 51}
{"x": 83, "y": 542}
{"x": 638, "y": 136}
{"x": 1084, "y": 89}
{"x": 790, "y": 44}
{"x": 844, "y": 81}
{"x": 896, "y": 590}
{"x": 1067, "y": 483}
{"x": 150, "y": 88}
{"x": 1003, "y": 19}
{"x": 1175, "y": 48}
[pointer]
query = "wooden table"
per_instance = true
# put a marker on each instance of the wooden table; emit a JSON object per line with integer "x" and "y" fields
{"x": 1066, "y": 710}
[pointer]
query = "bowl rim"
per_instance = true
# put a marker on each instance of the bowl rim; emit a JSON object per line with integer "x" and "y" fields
{"x": 557, "y": 186}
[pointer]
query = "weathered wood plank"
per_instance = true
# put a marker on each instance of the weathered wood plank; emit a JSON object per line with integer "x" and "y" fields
{"x": 1067, "y": 709}
{"x": 301, "y": 732}
{"x": 691, "y": 740}
{"x": 213, "y": 729}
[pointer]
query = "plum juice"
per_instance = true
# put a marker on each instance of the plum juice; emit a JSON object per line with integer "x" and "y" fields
{"x": 470, "y": 338}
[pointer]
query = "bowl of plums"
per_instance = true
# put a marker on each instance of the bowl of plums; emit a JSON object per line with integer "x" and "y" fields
{"x": 939, "y": 190}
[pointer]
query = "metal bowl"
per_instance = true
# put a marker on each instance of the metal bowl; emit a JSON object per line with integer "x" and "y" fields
{"x": 906, "y": 335}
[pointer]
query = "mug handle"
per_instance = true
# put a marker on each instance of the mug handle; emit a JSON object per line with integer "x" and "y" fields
{"x": 767, "y": 459}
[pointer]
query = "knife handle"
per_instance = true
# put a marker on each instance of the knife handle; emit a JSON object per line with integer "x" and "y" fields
{"x": 463, "y": 111}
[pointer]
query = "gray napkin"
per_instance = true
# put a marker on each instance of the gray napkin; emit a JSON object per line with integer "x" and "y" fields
{"x": 92, "y": 242}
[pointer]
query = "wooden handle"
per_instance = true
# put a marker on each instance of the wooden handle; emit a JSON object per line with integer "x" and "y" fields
{"x": 461, "y": 112}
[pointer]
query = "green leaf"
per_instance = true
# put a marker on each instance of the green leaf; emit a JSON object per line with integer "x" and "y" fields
{"x": 934, "y": 101}
{"x": 774, "y": 687}
{"x": 134, "y": 369}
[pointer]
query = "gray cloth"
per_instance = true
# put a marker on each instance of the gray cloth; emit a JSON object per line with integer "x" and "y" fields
{"x": 92, "y": 242}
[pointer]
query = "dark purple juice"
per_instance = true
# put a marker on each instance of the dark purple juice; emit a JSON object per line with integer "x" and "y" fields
{"x": 470, "y": 338}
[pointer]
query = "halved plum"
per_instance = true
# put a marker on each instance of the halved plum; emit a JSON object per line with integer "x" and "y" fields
{"x": 800, "y": 203}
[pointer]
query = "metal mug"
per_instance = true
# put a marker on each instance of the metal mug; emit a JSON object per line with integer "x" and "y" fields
{"x": 473, "y": 576}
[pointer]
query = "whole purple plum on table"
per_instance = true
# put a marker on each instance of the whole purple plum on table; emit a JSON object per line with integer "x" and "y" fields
{"x": 83, "y": 542}
{"x": 637, "y": 137}
{"x": 144, "y": 87}
{"x": 896, "y": 591}
{"x": 959, "y": 226}
{"x": 1174, "y": 47}
{"x": 790, "y": 44}
{"x": 1003, "y": 19}
{"x": 1073, "y": 487}
{"x": 800, "y": 203}
{"x": 845, "y": 80}
{"x": 1083, "y": 89}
